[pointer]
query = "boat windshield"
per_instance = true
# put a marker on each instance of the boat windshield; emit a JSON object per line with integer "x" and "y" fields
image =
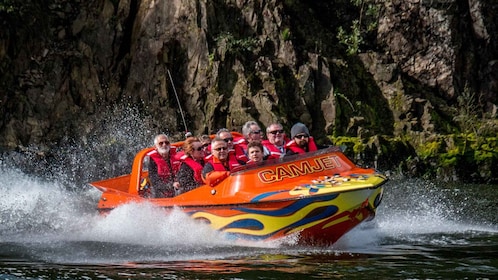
{"x": 248, "y": 167}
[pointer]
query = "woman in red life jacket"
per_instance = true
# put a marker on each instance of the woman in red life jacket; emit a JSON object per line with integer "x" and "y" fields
{"x": 219, "y": 165}
{"x": 189, "y": 176}
{"x": 301, "y": 141}
{"x": 162, "y": 167}
{"x": 276, "y": 141}
{"x": 255, "y": 152}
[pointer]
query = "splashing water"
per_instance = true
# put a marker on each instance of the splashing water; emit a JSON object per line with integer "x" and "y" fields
{"x": 105, "y": 150}
{"x": 51, "y": 222}
{"x": 421, "y": 212}
{"x": 29, "y": 205}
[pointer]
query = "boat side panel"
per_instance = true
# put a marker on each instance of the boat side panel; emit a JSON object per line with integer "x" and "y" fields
{"x": 291, "y": 172}
{"x": 120, "y": 183}
{"x": 325, "y": 217}
{"x": 138, "y": 171}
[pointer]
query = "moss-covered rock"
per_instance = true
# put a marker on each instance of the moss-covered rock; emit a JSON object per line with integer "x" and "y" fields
{"x": 446, "y": 157}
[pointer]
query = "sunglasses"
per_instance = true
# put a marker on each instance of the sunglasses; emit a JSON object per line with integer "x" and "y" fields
{"x": 221, "y": 149}
{"x": 301, "y": 136}
{"x": 163, "y": 143}
{"x": 281, "y": 131}
{"x": 256, "y": 131}
{"x": 228, "y": 139}
{"x": 201, "y": 148}
{"x": 205, "y": 145}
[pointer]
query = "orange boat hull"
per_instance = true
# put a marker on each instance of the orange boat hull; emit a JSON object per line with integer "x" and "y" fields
{"x": 317, "y": 197}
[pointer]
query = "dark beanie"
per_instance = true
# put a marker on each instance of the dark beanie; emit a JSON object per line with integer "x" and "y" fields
{"x": 299, "y": 128}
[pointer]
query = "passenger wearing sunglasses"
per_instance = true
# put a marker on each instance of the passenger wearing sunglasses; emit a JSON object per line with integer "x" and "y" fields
{"x": 189, "y": 176}
{"x": 206, "y": 143}
{"x": 301, "y": 141}
{"x": 276, "y": 141}
{"x": 162, "y": 167}
{"x": 218, "y": 167}
{"x": 234, "y": 150}
{"x": 251, "y": 132}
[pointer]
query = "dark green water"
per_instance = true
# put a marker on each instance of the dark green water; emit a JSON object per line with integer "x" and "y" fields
{"x": 423, "y": 230}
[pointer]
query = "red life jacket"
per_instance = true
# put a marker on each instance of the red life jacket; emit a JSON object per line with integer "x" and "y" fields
{"x": 165, "y": 171}
{"x": 219, "y": 166}
{"x": 292, "y": 145}
{"x": 180, "y": 155}
{"x": 240, "y": 153}
{"x": 274, "y": 150}
{"x": 241, "y": 142}
{"x": 236, "y": 153}
{"x": 196, "y": 167}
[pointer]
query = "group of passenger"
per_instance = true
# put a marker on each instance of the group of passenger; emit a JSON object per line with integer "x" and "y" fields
{"x": 202, "y": 160}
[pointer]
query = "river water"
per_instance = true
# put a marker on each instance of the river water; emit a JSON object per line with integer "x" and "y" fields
{"x": 423, "y": 230}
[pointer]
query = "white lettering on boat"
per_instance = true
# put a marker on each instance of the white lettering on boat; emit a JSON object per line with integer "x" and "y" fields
{"x": 296, "y": 169}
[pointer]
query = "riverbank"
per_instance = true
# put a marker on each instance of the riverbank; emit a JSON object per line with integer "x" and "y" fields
{"x": 449, "y": 158}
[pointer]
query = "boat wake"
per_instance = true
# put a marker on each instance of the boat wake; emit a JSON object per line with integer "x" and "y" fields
{"x": 45, "y": 221}
{"x": 418, "y": 215}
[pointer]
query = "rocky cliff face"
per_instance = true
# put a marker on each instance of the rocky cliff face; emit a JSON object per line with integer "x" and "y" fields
{"x": 418, "y": 68}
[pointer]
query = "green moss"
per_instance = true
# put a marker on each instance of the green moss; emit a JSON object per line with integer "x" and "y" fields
{"x": 286, "y": 34}
{"x": 429, "y": 149}
{"x": 358, "y": 147}
{"x": 343, "y": 140}
{"x": 488, "y": 150}
{"x": 449, "y": 158}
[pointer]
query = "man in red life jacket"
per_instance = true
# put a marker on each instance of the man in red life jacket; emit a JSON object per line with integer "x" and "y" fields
{"x": 251, "y": 131}
{"x": 219, "y": 165}
{"x": 163, "y": 166}
{"x": 275, "y": 144}
{"x": 301, "y": 141}
{"x": 233, "y": 149}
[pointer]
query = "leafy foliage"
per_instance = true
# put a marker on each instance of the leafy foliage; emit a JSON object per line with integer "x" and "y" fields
{"x": 237, "y": 46}
{"x": 286, "y": 34}
{"x": 353, "y": 36}
{"x": 351, "y": 40}
{"x": 467, "y": 155}
{"x": 9, "y": 6}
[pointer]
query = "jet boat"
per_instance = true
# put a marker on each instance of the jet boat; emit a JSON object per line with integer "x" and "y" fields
{"x": 314, "y": 198}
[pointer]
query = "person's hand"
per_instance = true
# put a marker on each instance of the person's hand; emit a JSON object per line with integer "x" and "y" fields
{"x": 176, "y": 185}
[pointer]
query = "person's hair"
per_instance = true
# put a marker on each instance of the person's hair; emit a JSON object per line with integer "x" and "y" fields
{"x": 204, "y": 137}
{"x": 159, "y": 135}
{"x": 217, "y": 139}
{"x": 188, "y": 145}
{"x": 246, "y": 129}
{"x": 274, "y": 124}
{"x": 221, "y": 130}
{"x": 255, "y": 144}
